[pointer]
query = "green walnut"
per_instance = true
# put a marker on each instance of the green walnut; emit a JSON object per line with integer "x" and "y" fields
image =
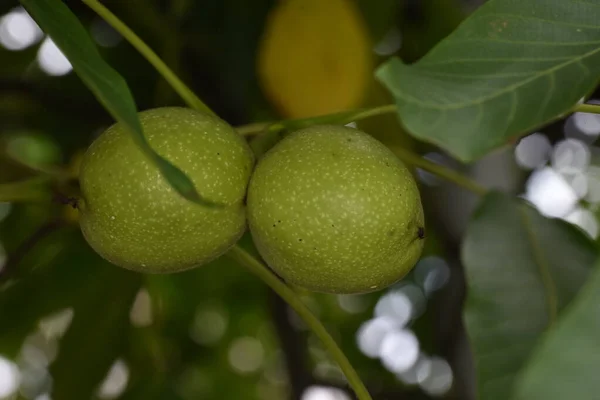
{"x": 333, "y": 210}
{"x": 132, "y": 217}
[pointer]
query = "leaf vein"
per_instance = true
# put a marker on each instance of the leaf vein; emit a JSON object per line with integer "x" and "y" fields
{"x": 544, "y": 268}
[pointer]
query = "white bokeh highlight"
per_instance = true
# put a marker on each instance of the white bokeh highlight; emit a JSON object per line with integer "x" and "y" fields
{"x": 371, "y": 333}
{"x": 585, "y": 219}
{"x": 316, "y": 392}
{"x": 548, "y": 191}
{"x": 18, "y": 30}
{"x": 533, "y": 151}
{"x": 399, "y": 350}
{"x": 416, "y": 374}
{"x": 9, "y": 378}
{"x": 440, "y": 377}
{"x": 51, "y": 60}
{"x": 395, "y": 306}
{"x": 570, "y": 153}
{"x": 587, "y": 123}
{"x": 115, "y": 382}
{"x": 431, "y": 273}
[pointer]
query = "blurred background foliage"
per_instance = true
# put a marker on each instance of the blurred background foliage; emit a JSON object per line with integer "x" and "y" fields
{"x": 75, "y": 327}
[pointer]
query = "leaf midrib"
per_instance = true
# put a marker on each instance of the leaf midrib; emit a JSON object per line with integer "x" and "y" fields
{"x": 543, "y": 267}
{"x": 493, "y": 95}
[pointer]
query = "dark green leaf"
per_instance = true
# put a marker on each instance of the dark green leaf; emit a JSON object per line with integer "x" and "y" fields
{"x": 566, "y": 364}
{"x": 57, "y": 282}
{"x": 522, "y": 270}
{"x": 111, "y": 90}
{"x": 512, "y": 66}
{"x": 97, "y": 334}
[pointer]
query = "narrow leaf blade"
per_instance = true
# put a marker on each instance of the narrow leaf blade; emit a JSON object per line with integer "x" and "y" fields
{"x": 522, "y": 270}
{"x": 111, "y": 90}
{"x": 566, "y": 364}
{"x": 510, "y": 67}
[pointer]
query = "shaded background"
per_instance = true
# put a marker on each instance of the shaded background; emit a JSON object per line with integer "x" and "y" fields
{"x": 74, "y": 327}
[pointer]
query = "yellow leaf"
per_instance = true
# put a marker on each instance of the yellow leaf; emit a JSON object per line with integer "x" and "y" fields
{"x": 315, "y": 57}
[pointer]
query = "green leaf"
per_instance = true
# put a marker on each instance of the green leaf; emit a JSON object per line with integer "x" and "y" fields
{"x": 54, "y": 283}
{"x": 97, "y": 335}
{"x": 566, "y": 364}
{"x": 522, "y": 270}
{"x": 510, "y": 67}
{"x": 111, "y": 90}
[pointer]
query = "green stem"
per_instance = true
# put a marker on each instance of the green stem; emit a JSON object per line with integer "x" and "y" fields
{"x": 247, "y": 260}
{"x": 186, "y": 94}
{"x": 439, "y": 170}
{"x": 253, "y": 128}
{"x": 31, "y": 190}
{"x": 379, "y": 110}
{"x": 345, "y": 117}
{"x": 587, "y": 108}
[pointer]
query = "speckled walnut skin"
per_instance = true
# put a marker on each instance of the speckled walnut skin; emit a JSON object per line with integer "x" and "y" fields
{"x": 133, "y": 218}
{"x": 333, "y": 210}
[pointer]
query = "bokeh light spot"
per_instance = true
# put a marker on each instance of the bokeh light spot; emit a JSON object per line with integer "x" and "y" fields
{"x": 55, "y": 325}
{"x": 533, "y": 151}
{"x": 141, "y": 310}
{"x": 395, "y": 305}
{"x": 587, "y": 123}
{"x": 324, "y": 393}
{"x": 399, "y": 350}
{"x": 584, "y": 219}
{"x": 115, "y": 382}
{"x": 246, "y": 354}
{"x": 418, "y": 372}
{"x": 548, "y": 191}
{"x": 593, "y": 184}
{"x": 209, "y": 326}
{"x": 18, "y": 30}
{"x": 52, "y": 61}
{"x": 9, "y": 377}
{"x": 390, "y": 43}
{"x": 4, "y": 210}
{"x": 37, "y": 351}
{"x": 371, "y": 333}
{"x": 432, "y": 273}
{"x": 440, "y": 378}
{"x": 352, "y": 303}
{"x": 570, "y": 153}
{"x": 104, "y": 34}
{"x": 577, "y": 179}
